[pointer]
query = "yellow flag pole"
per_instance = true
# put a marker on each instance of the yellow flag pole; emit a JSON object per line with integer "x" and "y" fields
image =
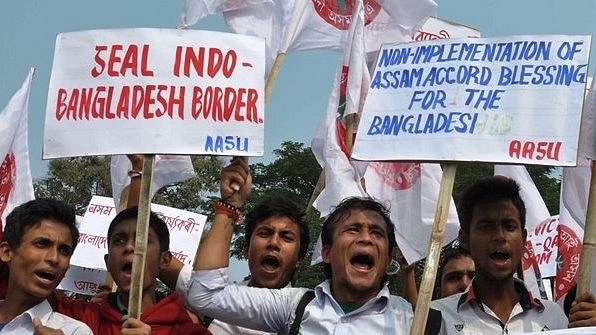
{"x": 136, "y": 284}
{"x": 434, "y": 250}
{"x": 589, "y": 244}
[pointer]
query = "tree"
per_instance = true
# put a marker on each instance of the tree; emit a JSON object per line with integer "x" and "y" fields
{"x": 66, "y": 181}
{"x": 76, "y": 180}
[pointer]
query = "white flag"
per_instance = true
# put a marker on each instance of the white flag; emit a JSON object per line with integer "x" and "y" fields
{"x": 194, "y": 10}
{"x": 169, "y": 169}
{"x": 587, "y": 142}
{"x": 16, "y": 185}
{"x": 324, "y": 23}
{"x": 342, "y": 177}
{"x": 435, "y": 28}
{"x": 413, "y": 190}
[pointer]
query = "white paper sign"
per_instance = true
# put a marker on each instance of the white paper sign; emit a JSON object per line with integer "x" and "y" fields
{"x": 155, "y": 91}
{"x": 514, "y": 99}
{"x": 544, "y": 243}
{"x": 185, "y": 232}
{"x": 82, "y": 280}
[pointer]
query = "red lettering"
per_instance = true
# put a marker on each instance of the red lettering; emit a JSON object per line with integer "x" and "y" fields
{"x": 114, "y": 59}
{"x": 535, "y": 150}
{"x": 251, "y": 106}
{"x": 214, "y": 62}
{"x": 514, "y": 148}
{"x": 528, "y": 150}
{"x": 95, "y": 71}
{"x": 61, "y": 104}
{"x": 123, "y": 103}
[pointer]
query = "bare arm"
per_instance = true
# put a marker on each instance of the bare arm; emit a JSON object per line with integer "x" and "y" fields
{"x": 235, "y": 186}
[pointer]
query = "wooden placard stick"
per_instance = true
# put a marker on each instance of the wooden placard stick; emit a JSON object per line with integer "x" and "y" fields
{"x": 273, "y": 75}
{"x": 138, "y": 264}
{"x": 434, "y": 250}
{"x": 589, "y": 243}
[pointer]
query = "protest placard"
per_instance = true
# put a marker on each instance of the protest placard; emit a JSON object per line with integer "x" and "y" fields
{"x": 543, "y": 239}
{"x": 146, "y": 90}
{"x": 185, "y": 228}
{"x": 82, "y": 280}
{"x": 512, "y": 99}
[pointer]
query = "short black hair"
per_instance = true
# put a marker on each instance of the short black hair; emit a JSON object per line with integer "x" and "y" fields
{"x": 450, "y": 252}
{"x": 488, "y": 190}
{"x": 277, "y": 206}
{"x": 342, "y": 210}
{"x": 155, "y": 222}
{"x": 31, "y": 213}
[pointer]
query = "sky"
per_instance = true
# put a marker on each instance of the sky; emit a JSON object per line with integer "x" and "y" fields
{"x": 28, "y": 30}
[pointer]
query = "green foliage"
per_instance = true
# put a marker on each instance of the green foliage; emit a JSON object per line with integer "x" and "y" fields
{"x": 76, "y": 180}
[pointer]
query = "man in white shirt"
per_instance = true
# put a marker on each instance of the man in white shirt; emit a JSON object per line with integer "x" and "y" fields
{"x": 492, "y": 217}
{"x": 358, "y": 241}
{"x": 38, "y": 241}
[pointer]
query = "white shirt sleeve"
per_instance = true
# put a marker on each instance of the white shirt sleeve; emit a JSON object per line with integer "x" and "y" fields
{"x": 264, "y": 309}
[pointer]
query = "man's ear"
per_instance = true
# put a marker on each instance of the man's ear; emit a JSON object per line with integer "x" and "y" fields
{"x": 464, "y": 239}
{"x": 105, "y": 260}
{"x": 5, "y": 252}
{"x": 165, "y": 259}
{"x": 325, "y": 250}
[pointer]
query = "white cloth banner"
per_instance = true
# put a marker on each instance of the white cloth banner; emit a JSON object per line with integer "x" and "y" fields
{"x": 168, "y": 169}
{"x": 427, "y": 98}
{"x": 194, "y": 10}
{"x": 185, "y": 228}
{"x": 413, "y": 190}
{"x": 16, "y": 185}
{"x": 149, "y": 90}
{"x": 436, "y": 28}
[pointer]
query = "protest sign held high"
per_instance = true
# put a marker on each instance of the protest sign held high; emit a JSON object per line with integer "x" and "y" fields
{"x": 155, "y": 91}
{"x": 520, "y": 96}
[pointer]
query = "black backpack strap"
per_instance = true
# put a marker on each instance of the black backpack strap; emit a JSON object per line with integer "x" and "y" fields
{"x": 306, "y": 298}
{"x": 206, "y": 321}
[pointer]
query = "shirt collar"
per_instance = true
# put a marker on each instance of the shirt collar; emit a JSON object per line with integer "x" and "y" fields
{"x": 527, "y": 301}
{"x": 324, "y": 289}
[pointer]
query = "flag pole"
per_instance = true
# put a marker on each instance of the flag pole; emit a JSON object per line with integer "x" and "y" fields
{"x": 273, "y": 75}
{"x": 136, "y": 280}
{"x": 589, "y": 243}
{"x": 434, "y": 250}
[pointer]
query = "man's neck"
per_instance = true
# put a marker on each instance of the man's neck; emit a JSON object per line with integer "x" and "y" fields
{"x": 148, "y": 300}
{"x": 16, "y": 304}
{"x": 500, "y": 296}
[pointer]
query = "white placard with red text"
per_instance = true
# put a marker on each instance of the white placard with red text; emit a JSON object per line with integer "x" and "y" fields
{"x": 544, "y": 243}
{"x": 185, "y": 232}
{"x": 83, "y": 280}
{"x": 510, "y": 99}
{"x": 147, "y": 90}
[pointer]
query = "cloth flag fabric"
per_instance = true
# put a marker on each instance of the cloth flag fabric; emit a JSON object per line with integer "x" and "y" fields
{"x": 399, "y": 185}
{"x": 323, "y": 23}
{"x": 436, "y": 28}
{"x": 168, "y": 169}
{"x": 16, "y": 184}
{"x": 342, "y": 178}
{"x": 292, "y": 25}
{"x": 194, "y": 10}
{"x": 573, "y": 203}
{"x": 413, "y": 190}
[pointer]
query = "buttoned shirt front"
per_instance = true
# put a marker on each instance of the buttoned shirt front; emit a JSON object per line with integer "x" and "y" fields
{"x": 273, "y": 310}
{"x": 464, "y": 314}
{"x": 23, "y": 324}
